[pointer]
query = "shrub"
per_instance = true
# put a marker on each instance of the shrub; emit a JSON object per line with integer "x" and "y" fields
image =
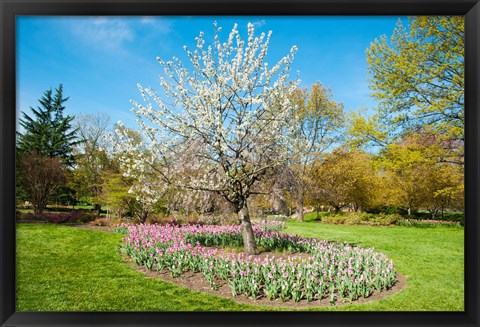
{"x": 361, "y": 218}
{"x": 85, "y": 216}
{"x": 427, "y": 223}
{"x": 394, "y": 209}
{"x": 454, "y": 216}
{"x": 61, "y": 218}
{"x": 458, "y": 217}
{"x": 385, "y": 219}
{"x": 337, "y": 219}
{"x": 157, "y": 219}
{"x": 30, "y": 216}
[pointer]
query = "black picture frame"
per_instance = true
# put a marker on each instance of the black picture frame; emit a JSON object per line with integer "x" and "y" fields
{"x": 9, "y": 9}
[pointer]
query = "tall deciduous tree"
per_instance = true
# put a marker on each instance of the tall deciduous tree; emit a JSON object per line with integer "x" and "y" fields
{"x": 419, "y": 179}
{"x": 231, "y": 108}
{"x": 91, "y": 156}
{"x": 41, "y": 176}
{"x": 320, "y": 121}
{"x": 344, "y": 178}
{"x": 418, "y": 79}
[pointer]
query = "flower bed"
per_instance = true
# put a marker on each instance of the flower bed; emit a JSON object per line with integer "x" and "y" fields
{"x": 335, "y": 270}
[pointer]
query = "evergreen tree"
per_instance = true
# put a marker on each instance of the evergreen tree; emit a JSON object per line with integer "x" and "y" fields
{"x": 48, "y": 133}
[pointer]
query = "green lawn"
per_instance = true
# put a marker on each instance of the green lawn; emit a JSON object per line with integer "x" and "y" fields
{"x": 61, "y": 268}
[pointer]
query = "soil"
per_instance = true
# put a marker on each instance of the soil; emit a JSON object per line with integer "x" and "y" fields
{"x": 196, "y": 282}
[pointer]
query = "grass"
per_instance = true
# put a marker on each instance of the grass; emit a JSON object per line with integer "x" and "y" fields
{"x": 61, "y": 268}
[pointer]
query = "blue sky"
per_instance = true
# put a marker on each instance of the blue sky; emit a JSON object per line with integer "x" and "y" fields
{"x": 100, "y": 60}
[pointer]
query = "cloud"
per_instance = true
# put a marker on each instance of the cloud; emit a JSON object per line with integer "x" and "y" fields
{"x": 260, "y": 23}
{"x": 116, "y": 34}
{"x": 104, "y": 32}
{"x": 147, "y": 20}
{"x": 159, "y": 24}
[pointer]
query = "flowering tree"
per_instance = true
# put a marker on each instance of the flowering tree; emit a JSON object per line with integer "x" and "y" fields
{"x": 230, "y": 112}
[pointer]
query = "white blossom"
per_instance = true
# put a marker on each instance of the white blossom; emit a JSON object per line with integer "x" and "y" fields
{"x": 216, "y": 127}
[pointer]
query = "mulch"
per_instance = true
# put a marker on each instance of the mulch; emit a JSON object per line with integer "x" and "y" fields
{"x": 196, "y": 282}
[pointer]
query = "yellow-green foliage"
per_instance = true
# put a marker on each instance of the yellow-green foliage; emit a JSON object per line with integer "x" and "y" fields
{"x": 361, "y": 218}
{"x": 418, "y": 78}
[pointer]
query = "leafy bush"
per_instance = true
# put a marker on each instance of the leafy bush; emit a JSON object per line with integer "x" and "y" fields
{"x": 85, "y": 216}
{"x": 458, "y": 217}
{"x": 394, "y": 209}
{"x": 361, "y": 218}
{"x": 61, "y": 218}
{"x": 427, "y": 223}
{"x": 385, "y": 219}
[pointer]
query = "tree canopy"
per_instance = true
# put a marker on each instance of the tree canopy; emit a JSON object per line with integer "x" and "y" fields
{"x": 418, "y": 78}
{"x": 231, "y": 112}
{"x": 48, "y": 132}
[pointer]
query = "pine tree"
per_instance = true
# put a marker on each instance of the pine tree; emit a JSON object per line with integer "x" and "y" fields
{"x": 48, "y": 133}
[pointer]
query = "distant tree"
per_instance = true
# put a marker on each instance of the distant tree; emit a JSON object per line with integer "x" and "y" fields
{"x": 366, "y": 131}
{"x": 91, "y": 156}
{"x": 420, "y": 179}
{"x": 48, "y": 133}
{"x": 344, "y": 178}
{"x": 320, "y": 120}
{"x": 403, "y": 160}
{"x": 41, "y": 177}
{"x": 115, "y": 194}
{"x": 418, "y": 79}
{"x": 232, "y": 108}
{"x": 47, "y": 139}
{"x": 440, "y": 187}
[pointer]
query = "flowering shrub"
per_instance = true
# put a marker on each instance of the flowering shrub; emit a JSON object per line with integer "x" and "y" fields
{"x": 334, "y": 270}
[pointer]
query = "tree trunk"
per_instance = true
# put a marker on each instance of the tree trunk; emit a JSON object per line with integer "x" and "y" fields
{"x": 247, "y": 231}
{"x": 98, "y": 208}
{"x": 39, "y": 206}
{"x": 143, "y": 216}
{"x": 36, "y": 210}
{"x": 279, "y": 203}
{"x": 300, "y": 199}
